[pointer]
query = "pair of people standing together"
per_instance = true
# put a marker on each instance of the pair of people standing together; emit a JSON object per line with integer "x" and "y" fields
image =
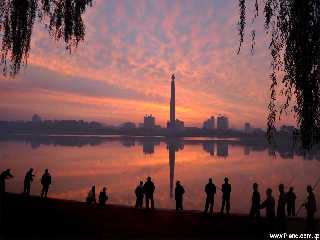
{"x": 146, "y": 189}
{"x": 211, "y": 190}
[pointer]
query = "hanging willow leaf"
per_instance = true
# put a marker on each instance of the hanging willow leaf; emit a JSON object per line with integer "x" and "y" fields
{"x": 294, "y": 27}
{"x": 17, "y": 19}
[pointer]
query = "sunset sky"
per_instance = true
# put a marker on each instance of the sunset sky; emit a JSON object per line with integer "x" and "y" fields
{"x": 122, "y": 70}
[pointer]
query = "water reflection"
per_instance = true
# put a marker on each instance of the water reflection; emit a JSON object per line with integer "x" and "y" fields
{"x": 77, "y": 162}
{"x": 286, "y": 149}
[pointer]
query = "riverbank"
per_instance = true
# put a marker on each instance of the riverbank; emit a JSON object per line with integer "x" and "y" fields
{"x": 36, "y": 218}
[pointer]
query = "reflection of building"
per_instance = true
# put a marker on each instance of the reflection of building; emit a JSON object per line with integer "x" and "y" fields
{"x": 149, "y": 121}
{"x": 127, "y": 141}
{"x": 222, "y": 123}
{"x": 246, "y": 150}
{"x": 209, "y": 124}
{"x": 148, "y": 145}
{"x": 208, "y": 147}
{"x": 222, "y": 149}
{"x": 36, "y": 118}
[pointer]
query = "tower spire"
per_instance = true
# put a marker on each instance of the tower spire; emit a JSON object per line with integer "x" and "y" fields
{"x": 173, "y": 103}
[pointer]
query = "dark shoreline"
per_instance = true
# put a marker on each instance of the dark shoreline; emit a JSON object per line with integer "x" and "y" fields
{"x": 36, "y": 218}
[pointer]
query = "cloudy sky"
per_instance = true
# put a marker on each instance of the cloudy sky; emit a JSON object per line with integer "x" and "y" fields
{"x": 122, "y": 70}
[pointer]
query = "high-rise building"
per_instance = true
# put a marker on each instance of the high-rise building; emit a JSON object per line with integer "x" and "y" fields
{"x": 172, "y": 122}
{"x": 149, "y": 121}
{"x": 36, "y": 118}
{"x": 209, "y": 123}
{"x": 222, "y": 123}
{"x": 247, "y": 128}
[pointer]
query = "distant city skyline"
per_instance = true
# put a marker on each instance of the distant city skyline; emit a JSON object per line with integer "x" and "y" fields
{"x": 121, "y": 71}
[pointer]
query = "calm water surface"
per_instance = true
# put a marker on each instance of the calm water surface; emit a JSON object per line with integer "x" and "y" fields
{"x": 119, "y": 163}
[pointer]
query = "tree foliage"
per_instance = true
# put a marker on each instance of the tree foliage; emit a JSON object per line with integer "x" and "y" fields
{"x": 294, "y": 30}
{"x": 63, "y": 19}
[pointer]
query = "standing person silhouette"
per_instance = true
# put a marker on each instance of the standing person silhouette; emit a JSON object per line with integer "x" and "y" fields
{"x": 139, "y": 195}
{"x": 45, "y": 182}
{"x": 255, "y": 202}
{"x": 91, "y": 197}
{"x": 148, "y": 189}
{"x": 210, "y": 190}
{"x": 179, "y": 191}
{"x": 269, "y": 205}
{"x": 281, "y": 209}
{"x": 311, "y": 207}
{"x": 291, "y": 202}
{"x": 226, "y": 191}
{"x": 103, "y": 197}
{"x": 27, "y": 182}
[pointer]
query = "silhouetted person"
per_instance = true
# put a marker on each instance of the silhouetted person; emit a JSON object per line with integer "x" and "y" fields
{"x": 291, "y": 202}
{"x": 255, "y": 202}
{"x": 45, "y": 182}
{"x": 103, "y": 197}
{"x": 311, "y": 207}
{"x": 281, "y": 209}
{"x": 139, "y": 195}
{"x": 269, "y": 205}
{"x": 148, "y": 190}
{"x": 226, "y": 191}
{"x": 27, "y": 182}
{"x": 91, "y": 198}
{"x": 3, "y": 177}
{"x": 178, "y": 195}
{"x": 210, "y": 190}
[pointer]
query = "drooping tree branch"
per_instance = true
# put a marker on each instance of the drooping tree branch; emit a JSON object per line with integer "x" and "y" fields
{"x": 294, "y": 28}
{"x": 17, "y": 19}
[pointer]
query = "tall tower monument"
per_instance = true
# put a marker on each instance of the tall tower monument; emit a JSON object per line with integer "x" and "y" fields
{"x": 173, "y": 103}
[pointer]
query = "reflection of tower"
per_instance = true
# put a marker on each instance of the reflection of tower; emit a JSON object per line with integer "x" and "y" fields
{"x": 172, "y": 103}
{"x": 173, "y": 147}
{"x": 172, "y": 160}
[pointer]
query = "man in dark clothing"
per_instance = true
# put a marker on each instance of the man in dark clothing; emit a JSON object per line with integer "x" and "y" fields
{"x": 255, "y": 202}
{"x": 281, "y": 209}
{"x": 139, "y": 195}
{"x": 45, "y": 182}
{"x": 226, "y": 191}
{"x": 311, "y": 207}
{"x": 269, "y": 205}
{"x": 148, "y": 190}
{"x": 3, "y": 177}
{"x": 291, "y": 202}
{"x": 179, "y": 191}
{"x": 210, "y": 190}
{"x": 27, "y": 182}
{"x": 103, "y": 197}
